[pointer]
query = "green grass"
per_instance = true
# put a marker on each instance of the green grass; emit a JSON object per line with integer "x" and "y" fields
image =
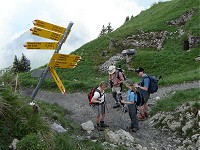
{"x": 172, "y": 62}
{"x": 19, "y": 120}
{"x": 175, "y": 100}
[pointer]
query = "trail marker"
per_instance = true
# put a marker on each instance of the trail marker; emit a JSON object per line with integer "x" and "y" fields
{"x": 57, "y": 33}
{"x": 41, "y": 45}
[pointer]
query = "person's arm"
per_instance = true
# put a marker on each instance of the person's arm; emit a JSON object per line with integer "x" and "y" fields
{"x": 131, "y": 101}
{"x": 95, "y": 98}
{"x": 121, "y": 78}
{"x": 146, "y": 84}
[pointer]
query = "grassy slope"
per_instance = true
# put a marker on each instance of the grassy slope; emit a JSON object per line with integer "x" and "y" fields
{"x": 173, "y": 63}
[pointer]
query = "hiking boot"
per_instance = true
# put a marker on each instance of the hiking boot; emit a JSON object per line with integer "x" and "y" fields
{"x": 103, "y": 125}
{"x": 146, "y": 114}
{"x": 116, "y": 105}
{"x": 99, "y": 127}
{"x": 141, "y": 117}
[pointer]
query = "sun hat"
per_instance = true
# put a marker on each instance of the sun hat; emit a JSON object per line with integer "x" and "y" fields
{"x": 111, "y": 69}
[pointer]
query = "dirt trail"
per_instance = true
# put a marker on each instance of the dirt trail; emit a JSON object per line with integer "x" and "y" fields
{"x": 81, "y": 112}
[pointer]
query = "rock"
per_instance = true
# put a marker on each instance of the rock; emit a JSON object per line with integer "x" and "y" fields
{"x": 174, "y": 125}
{"x": 157, "y": 98}
{"x": 177, "y": 141}
{"x": 121, "y": 137}
{"x": 13, "y": 145}
{"x": 197, "y": 58}
{"x": 187, "y": 142}
{"x": 186, "y": 127}
{"x": 58, "y": 128}
{"x": 88, "y": 126}
{"x": 198, "y": 143}
{"x": 168, "y": 117}
{"x": 190, "y": 147}
{"x": 195, "y": 137}
{"x": 139, "y": 147}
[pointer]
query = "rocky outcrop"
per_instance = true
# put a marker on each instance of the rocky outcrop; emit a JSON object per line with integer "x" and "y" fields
{"x": 146, "y": 39}
{"x": 112, "y": 61}
{"x": 184, "y": 122}
{"x": 182, "y": 19}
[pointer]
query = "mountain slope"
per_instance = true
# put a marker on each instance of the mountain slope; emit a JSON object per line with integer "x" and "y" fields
{"x": 172, "y": 62}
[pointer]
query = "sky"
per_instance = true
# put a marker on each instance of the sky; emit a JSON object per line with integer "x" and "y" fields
{"x": 88, "y": 16}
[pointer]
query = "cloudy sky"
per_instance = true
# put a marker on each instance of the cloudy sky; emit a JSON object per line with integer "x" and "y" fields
{"x": 88, "y": 16}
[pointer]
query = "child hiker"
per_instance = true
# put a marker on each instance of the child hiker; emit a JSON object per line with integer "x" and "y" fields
{"x": 98, "y": 104}
{"x": 132, "y": 108}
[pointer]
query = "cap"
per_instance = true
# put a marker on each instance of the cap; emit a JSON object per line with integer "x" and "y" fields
{"x": 140, "y": 69}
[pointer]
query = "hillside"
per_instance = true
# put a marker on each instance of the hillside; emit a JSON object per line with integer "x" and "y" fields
{"x": 172, "y": 62}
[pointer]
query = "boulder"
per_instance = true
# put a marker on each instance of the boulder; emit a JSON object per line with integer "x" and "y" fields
{"x": 88, "y": 126}
{"x": 58, "y": 128}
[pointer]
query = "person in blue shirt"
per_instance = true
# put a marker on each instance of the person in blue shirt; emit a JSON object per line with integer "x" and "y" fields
{"x": 131, "y": 102}
{"x": 143, "y": 89}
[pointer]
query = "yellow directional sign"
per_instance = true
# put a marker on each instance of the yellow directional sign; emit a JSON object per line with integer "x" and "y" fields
{"x": 62, "y": 64}
{"x": 65, "y": 57}
{"x": 49, "y": 26}
{"x": 46, "y": 34}
{"x": 41, "y": 45}
{"x": 57, "y": 80}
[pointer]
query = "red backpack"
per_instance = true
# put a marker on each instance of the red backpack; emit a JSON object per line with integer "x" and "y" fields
{"x": 91, "y": 94}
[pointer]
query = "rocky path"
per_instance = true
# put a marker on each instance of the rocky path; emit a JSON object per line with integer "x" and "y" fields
{"x": 81, "y": 112}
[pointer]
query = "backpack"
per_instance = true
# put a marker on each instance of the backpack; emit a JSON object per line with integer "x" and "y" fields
{"x": 153, "y": 85}
{"x": 139, "y": 98}
{"x": 91, "y": 94}
{"x": 120, "y": 70}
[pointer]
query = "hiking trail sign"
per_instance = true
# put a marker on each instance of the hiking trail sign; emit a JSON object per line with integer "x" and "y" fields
{"x": 59, "y": 34}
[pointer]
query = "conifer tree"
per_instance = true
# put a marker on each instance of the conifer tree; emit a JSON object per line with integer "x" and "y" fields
{"x": 16, "y": 65}
{"x": 103, "y": 31}
{"x": 23, "y": 63}
{"x": 127, "y": 19}
{"x": 109, "y": 28}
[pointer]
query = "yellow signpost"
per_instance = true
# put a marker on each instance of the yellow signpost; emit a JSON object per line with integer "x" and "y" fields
{"x": 57, "y": 33}
{"x": 46, "y": 34}
{"x": 65, "y": 57}
{"x": 49, "y": 26}
{"x": 57, "y": 80}
{"x": 41, "y": 45}
{"x": 62, "y": 64}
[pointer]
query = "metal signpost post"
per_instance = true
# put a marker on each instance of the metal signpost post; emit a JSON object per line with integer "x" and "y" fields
{"x": 62, "y": 40}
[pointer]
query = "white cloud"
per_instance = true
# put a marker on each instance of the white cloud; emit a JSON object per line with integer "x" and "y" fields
{"x": 88, "y": 16}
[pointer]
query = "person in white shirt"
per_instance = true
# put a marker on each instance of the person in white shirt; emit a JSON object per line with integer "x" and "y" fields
{"x": 98, "y": 104}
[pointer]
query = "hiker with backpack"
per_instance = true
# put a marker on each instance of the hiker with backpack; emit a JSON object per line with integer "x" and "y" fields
{"x": 97, "y": 101}
{"x": 116, "y": 79}
{"x": 131, "y": 102}
{"x": 143, "y": 89}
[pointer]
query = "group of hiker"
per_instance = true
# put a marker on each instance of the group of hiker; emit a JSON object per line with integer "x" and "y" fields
{"x": 137, "y": 97}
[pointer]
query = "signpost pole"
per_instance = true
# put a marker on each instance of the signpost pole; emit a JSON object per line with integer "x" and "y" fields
{"x": 42, "y": 77}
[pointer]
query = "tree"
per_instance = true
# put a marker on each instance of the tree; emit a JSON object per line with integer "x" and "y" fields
{"x": 23, "y": 63}
{"x": 109, "y": 28}
{"x": 103, "y": 31}
{"x": 127, "y": 19}
{"x": 16, "y": 65}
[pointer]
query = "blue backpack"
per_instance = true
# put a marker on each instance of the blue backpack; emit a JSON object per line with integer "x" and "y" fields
{"x": 153, "y": 85}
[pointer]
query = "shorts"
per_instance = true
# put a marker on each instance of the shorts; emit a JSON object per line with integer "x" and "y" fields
{"x": 99, "y": 109}
{"x": 116, "y": 89}
{"x": 145, "y": 99}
